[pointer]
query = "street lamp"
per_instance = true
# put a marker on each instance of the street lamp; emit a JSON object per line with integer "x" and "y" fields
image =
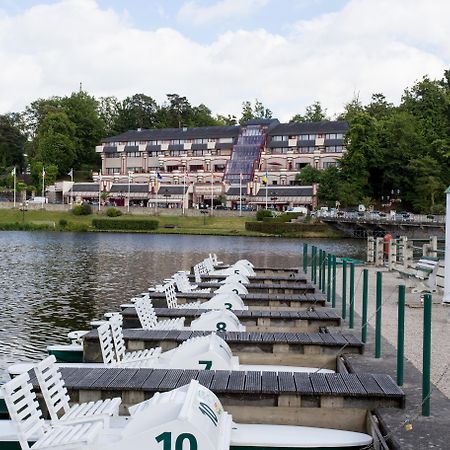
{"x": 166, "y": 195}
{"x": 23, "y": 208}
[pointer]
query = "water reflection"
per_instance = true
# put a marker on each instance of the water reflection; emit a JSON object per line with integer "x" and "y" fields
{"x": 52, "y": 283}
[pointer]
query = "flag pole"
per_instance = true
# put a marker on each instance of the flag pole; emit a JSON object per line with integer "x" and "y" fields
{"x": 99, "y": 188}
{"x": 129, "y": 182}
{"x": 267, "y": 190}
{"x": 184, "y": 188}
{"x": 212, "y": 191}
{"x": 14, "y": 175}
{"x": 240, "y": 194}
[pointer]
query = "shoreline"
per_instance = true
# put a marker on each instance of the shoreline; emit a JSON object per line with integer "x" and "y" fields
{"x": 223, "y": 225}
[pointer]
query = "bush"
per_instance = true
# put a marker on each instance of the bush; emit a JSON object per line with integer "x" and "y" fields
{"x": 25, "y": 227}
{"x": 63, "y": 223}
{"x": 113, "y": 212}
{"x": 82, "y": 210}
{"x": 127, "y": 224}
{"x": 263, "y": 213}
{"x": 285, "y": 217}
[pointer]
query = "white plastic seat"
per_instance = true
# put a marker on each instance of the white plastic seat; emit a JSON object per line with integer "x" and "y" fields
{"x": 139, "y": 358}
{"x": 57, "y": 400}
{"x": 24, "y": 411}
{"x": 199, "y": 270}
{"x": 214, "y": 259}
{"x": 109, "y": 351}
{"x": 171, "y": 298}
{"x": 149, "y": 320}
{"x": 183, "y": 284}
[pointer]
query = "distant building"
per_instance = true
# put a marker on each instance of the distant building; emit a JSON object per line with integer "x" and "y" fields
{"x": 209, "y": 161}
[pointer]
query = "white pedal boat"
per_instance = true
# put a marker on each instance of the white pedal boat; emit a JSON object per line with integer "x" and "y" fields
{"x": 188, "y": 418}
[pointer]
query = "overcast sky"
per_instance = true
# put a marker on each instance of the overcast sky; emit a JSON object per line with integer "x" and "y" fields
{"x": 287, "y": 53}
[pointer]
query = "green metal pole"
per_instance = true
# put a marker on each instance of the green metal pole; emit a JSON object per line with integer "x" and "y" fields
{"x": 401, "y": 334}
{"x": 426, "y": 385}
{"x": 378, "y": 315}
{"x": 313, "y": 263}
{"x": 305, "y": 258}
{"x": 320, "y": 268}
{"x": 364, "y": 305}
{"x": 344, "y": 289}
{"x": 352, "y": 296}
{"x": 324, "y": 270}
{"x": 333, "y": 283}
{"x": 329, "y": 257}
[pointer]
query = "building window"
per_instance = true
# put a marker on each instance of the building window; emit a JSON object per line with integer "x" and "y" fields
{"x": 135, "y": 169}
{"x": 326, "y": 165}
{"x": 304, "y": 137}
{"x": 278, "y": 138}
{"x": 153, "y": 153}
{"x": 306, "y": 149}
{"x": 112, "y": 155}
{"x": 195, "y": 168}
{"x": 113, "y": 171}
{"x": 134, "y": 154}
{"x": 330, "y": 136}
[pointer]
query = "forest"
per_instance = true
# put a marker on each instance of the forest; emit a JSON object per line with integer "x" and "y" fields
{"x": 394, "y": 152}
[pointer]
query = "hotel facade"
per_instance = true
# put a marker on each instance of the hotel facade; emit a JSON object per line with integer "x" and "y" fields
{"x": 206, "y": 162}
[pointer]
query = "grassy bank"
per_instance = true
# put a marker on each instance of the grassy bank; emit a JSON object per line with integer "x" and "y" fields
{"x": 223, "y": 226}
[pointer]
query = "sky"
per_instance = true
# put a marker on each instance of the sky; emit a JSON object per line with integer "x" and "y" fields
{"x": 286, "y": 53}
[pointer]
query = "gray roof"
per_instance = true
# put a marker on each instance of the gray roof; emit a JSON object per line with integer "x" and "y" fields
{"x": 134, "y": 187}
{"x": 335, "y": 126}
{"x": 174, "y": 133}
{"x": 172, "y": 190}
{"x": 85, "y": 187}
{"x": 263, "y": 122}
{"x": 234, "y": 190}
{"x": 286, "y": 191}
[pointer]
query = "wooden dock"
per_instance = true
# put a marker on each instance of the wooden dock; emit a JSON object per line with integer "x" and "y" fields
{"x": 294, "y": 349}
{"x": 254, "y": 320}
{"x": 339, "y": 400}
{"x": 297, "y": 301}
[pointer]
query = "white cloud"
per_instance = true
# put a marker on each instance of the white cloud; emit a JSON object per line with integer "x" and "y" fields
{"x": 195, "y": 13}
{"x": 369, "y": 46}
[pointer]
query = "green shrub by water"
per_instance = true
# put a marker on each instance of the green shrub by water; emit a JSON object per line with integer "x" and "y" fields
{"x": 62, "y": 223}
{"x": 25, "y": 227}
{"x": 126, "y": 224}
{"x": 113, "y": 212}
{"x": 82, "y": 210}
{"x": 263, "y": 213}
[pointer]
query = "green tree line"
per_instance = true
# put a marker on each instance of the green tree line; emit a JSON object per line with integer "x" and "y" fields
{"x": 401, "y": 150}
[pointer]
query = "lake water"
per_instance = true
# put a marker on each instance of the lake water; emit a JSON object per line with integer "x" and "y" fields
{"x": 52, "y": 283}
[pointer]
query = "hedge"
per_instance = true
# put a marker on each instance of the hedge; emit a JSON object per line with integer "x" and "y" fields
{"x": 128, "y": 224}
{"x": 284, "y": 227}
{"x": 285, "y": 217}
{"x": 27, "y": 226}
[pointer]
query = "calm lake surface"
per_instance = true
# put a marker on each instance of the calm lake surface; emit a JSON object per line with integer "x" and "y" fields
{"x": 52, "y": 283}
